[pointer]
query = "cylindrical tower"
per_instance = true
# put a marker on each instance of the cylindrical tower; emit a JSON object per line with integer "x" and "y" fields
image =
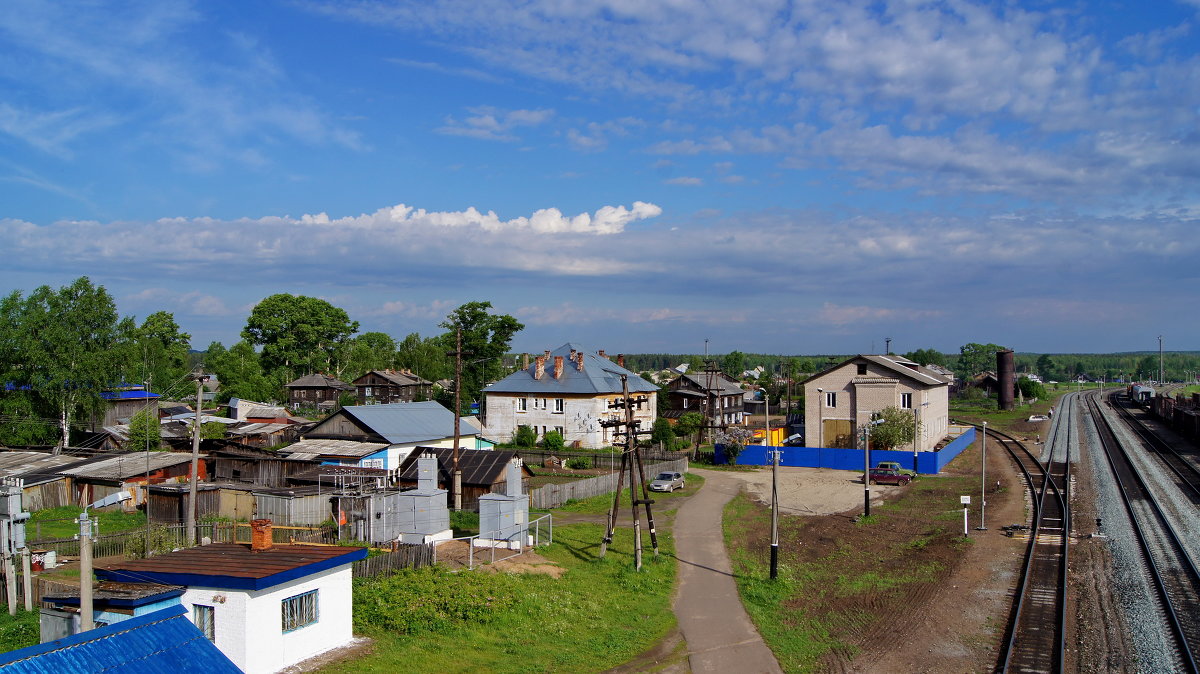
{"x": 1004, "y": 375}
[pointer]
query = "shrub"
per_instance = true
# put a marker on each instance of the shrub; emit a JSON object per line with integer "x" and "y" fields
{"x": 525, "y": 437}
{"x": 579, "y": 463}
{"x": 552, "y": 441}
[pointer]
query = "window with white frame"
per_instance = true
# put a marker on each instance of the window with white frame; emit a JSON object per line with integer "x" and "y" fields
{"x": 205, "y": 619}
{"x": 299, "y": 611}
{"x": 906, "y": 401}
{"x": 522, "y": 404}
{"x": 558, "y": 405}
{"x": 830, "y": 399}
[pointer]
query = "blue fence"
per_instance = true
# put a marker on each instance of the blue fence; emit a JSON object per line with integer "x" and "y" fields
{"x": 928, "y": 463}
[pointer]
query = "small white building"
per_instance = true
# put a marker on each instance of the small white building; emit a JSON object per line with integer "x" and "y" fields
{"x": 265, "y": 606}
{"x": 571, "y": 391}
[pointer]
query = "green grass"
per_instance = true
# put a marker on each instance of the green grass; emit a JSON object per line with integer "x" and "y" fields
{"x": 464, "y": 522}
{"x": 598, "y": 505}
{"x": 59, "y": 522}
{"x": 19, "y": 631}
{"x": 599, "y": 614}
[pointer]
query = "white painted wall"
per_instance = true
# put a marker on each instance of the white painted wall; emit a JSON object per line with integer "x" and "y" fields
{"x": 580, "y": 418}
{"x": 249, "y": 625}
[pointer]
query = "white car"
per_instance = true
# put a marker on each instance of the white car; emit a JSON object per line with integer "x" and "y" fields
{"x": 667, "y": 482}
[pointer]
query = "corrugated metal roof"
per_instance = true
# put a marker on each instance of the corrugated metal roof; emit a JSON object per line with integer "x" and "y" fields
{"x": 335, "y": 448}
{"x": 599, "y": 375}
{"x": 122, "y": 466}
{"x": 407, "y": 422}
{"x": 480, "y": 467}
{"x": 257, "y": 428}
{"x": 162, "y": 641}
{"x": 721, "y": 383}
{"x": 232, "y": 565}
{"x": 319, "y": 380}
{"x": 18, "y": 463}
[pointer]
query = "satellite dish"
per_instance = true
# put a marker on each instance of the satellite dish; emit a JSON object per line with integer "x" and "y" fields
{"x": 112, "y": 499}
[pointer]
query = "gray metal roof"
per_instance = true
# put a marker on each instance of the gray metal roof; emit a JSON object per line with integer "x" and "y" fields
{"x": 720, "y": 382}
{"x": 319, "y": 381}
{"x": 408, "y": 422}
{"x": 897, "y": 364}
{"x": 334, "y": 448}
{"x": 122, "y": 466}
{"x": 598, "y": 376}
{"x": 20, "y": 463}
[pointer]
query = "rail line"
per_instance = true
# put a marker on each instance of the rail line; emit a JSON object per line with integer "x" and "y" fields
{"x": 1171, "y": 570}
{"x": 1036, "y": 633}
{"x": 1186, "y": 472}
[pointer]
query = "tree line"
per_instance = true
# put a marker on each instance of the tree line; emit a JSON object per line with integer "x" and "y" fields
{"x": 62, "y": 349}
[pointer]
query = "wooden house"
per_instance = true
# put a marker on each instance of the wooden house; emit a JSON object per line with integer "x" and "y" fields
{"x": 319, "y": 391}
{"x": 380, "y": 387}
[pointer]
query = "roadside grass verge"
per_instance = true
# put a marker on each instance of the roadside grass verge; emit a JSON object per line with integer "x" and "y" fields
{"x": 599, "y": 614}
{"x": 840, "y": 580}
{"x": 663, "y": 501}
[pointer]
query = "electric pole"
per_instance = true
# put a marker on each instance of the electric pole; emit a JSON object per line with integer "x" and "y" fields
{"x": 190, "y": 517}
{"x": 458, "y": 354}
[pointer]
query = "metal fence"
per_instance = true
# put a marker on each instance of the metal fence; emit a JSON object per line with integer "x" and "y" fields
{"x": 554, "y": 495}
{"x": 598, "y": 459}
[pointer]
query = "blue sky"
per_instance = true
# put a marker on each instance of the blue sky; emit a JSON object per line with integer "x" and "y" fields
{"x": 783, "y": 177}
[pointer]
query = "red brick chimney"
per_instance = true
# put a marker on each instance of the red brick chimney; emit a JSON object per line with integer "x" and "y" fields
{"x": 579, "y": 360}
{"x": 260, "y": 535}
{"x": 558, "y": 367}
{"x": 539, "y": 367}
{"x": 621, "y": 359}
{"x": 602, "y": 355}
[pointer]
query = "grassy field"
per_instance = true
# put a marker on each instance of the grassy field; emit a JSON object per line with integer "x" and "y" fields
{"x": 599, "y": 614}
{"x": 59, "y": 522}
{"x": 838, "y": 578}
{"x": 18, "y": 631}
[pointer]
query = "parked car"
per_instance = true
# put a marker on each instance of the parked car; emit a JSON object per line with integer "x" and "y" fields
{"x": 667, "y": 482}
{"x": 889, "y": 476}
{"x": 895, "y": 465}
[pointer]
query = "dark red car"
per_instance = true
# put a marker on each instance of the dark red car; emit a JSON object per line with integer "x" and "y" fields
{"x": 889, "y": 476}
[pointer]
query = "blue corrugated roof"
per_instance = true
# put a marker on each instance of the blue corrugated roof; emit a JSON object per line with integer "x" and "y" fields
{"x": 599, "y": 375}
{"x": 409, "y": 422}
{"x": 163, "y": 641}
{"x": 128, "y": 395}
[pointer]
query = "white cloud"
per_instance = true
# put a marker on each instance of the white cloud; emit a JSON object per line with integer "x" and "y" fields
{"x": 489, "y": 123}
{"x": 687, "y": 181}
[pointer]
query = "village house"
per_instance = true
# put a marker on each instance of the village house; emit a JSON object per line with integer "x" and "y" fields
{"x": 265, "y": 606}
{"x": 381, "y": 436}
{"x": 713, "y": 394}
{"x": 844, "y": 397}
{"x": 570, "y": 391}
{"x": 316, "y": 391}
{"x": 380, "y": 387}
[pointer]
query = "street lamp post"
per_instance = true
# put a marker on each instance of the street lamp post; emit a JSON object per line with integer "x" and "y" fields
{"x": 867, "y": 468}
{"x": 983, "y": 485}
{"x": 820, "y": 417}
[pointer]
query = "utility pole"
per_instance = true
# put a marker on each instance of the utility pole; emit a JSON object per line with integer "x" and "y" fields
{"x": 458, "y": 353}
{"x": 1160, "y": 361}
{"x": 190, "y": 517}
{"x": 774, "y": 495}
{"x": 887, "y": 349}
{"x": 983, "y": 485}
{"x": 86, "y": 605}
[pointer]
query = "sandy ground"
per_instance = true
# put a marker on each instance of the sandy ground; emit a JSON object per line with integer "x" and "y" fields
{"x": 809, "y": 491}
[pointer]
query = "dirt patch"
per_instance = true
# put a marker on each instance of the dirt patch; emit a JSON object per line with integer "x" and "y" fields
{"x": 357, "y": 648}
{"x": 458, "y": 554}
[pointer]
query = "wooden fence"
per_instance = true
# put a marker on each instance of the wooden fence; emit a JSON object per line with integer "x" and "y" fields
{"x": 554, "y": 495}
{"x": 402, "y": 557}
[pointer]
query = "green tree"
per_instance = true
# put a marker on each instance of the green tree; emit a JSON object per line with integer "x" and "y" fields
{"x": 240, "y": 373}
{"x": 525, "y": 436}
{"x": 1045, "y": 366}
{"x": 485, "y": 340}
{"x": 896, "y": 429}
{"x": 144, "y": 431}
{"x": 733, "y": 364}
{"x": 927, "y": 357}
{"x": 426, "y": 357}
{"x": 366, "y": 352}
{"x": 975, "y": 358}
{"x": 663, "y": 434}
{"x": 299, "y": 335}
{"x": 70, "y": 352}
{"x": 1031, "y": 389}
{"x": 161, "y": 350}
{"x": 552, "y": 441}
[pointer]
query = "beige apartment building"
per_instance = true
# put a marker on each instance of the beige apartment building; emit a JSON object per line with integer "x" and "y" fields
{"x": 839, "y": 400}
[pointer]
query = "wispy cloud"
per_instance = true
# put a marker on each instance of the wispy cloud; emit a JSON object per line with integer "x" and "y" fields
{"x": 489, "y": 123}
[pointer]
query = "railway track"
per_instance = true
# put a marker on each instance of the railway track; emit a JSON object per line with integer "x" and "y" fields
{"x": 1186, "y": 472}
{"x": 1172, "y": 572}
{"x": 1036, "y": 633}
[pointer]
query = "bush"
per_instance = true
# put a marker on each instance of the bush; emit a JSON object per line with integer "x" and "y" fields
{"x": 579, "y": 463}
{"x": 525, "y": 437}
{"x": 430, "y": 600}
{"x": 552, "y": 441}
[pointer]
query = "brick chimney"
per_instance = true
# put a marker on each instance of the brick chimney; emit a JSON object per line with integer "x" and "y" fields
{"x": 558, "y": 367}
{"x": 621, "y": 360}
{"x": 602, "y": 354}
{"x": 524, "y": 361}
{"x": 260, "y": 535}
{"x": 579, "y": 361}
{"x": 539, "y": 367}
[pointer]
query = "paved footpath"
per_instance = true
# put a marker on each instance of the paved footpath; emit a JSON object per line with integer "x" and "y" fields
{"x": 719, "y": 634}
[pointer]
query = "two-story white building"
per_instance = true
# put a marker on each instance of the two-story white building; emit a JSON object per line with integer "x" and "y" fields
{"x": 839, "y": 400}
{"x": 571, "y": 391}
